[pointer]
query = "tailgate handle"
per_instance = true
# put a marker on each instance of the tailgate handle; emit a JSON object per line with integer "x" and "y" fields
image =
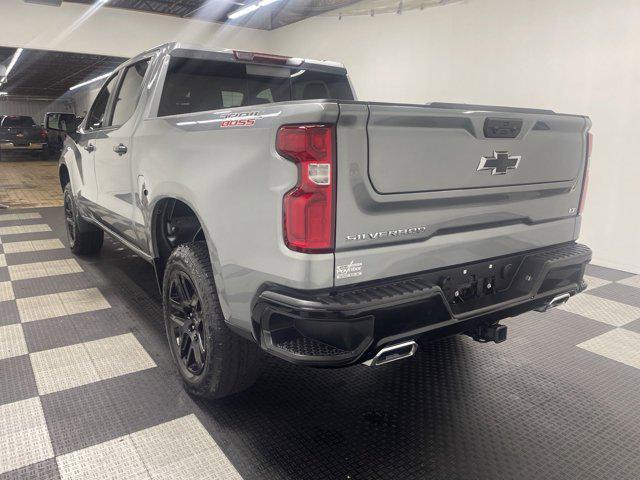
{"x": 502, "y": 127}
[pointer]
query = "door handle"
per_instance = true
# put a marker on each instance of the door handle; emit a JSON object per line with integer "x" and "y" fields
{"x": 90, "y": 147}
{"x": 120, "y": 149}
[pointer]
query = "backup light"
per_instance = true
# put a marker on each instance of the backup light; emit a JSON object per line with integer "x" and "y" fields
{"x": 320, "y": 173}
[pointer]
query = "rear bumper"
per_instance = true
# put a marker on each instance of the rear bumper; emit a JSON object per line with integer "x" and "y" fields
{"x": 348, "y": 325}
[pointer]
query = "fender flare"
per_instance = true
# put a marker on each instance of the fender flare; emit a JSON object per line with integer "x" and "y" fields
{"x": 216, "y": 265}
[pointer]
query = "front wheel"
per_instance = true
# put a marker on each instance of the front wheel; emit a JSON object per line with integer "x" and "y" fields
{"x": 213, "y": 361}
{"x": 83, "y": 237}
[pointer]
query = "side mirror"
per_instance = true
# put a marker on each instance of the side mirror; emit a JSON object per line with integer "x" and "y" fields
{"x": 68, "y": 123}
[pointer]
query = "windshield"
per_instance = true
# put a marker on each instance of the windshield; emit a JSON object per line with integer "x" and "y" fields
{"x": 195, "y": 85}
{"x": 15, "y": 121}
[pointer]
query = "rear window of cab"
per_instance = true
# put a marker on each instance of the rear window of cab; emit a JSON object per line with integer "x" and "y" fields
{"x": 197, "y": 85}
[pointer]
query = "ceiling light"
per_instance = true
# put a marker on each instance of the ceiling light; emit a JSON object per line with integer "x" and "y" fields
{"x": 90, "y": 81}
{"x": 3, "y": 94}
{"x": 250, "y": 8}
{"x": 13, "y": 61}
{"x": 244, "y": 11}
{"x": 52, "y": 3}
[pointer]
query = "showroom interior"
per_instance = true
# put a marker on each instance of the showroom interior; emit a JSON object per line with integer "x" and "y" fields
{"x": 89, "y": 386}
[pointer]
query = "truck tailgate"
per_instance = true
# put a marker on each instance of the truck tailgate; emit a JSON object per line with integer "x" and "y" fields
{"x": 425, "y": 187}
{"x": 416, "y": 149}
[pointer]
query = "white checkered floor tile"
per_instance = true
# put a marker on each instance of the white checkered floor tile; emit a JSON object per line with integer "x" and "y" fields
{"x": 24, "y": 438}
{"x": 21, "y": 229}
{"x": 59, "y": 304}
{"x": 601, "y": 309}
{"x": 26, "y": 271}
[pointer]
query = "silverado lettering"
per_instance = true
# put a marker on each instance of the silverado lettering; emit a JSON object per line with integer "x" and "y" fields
{"x": 387, "y": 233}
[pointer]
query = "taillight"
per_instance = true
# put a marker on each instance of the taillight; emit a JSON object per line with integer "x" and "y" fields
{"x": 585, "y": 181}
{"x": 43, "y": 135}
{"x": 308, "y": 208}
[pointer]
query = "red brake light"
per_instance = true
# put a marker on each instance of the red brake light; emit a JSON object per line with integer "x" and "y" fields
{"x": 43, "y": 134}
{"x": 585, "y": 181}
{"x": 266, "y": 58}
{"x": 308, "y": 208}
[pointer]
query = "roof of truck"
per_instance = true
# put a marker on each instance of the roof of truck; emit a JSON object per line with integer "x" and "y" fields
{"x": 229, "y": 52}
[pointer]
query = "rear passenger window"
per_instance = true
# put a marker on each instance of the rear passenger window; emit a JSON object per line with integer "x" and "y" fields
{"x": 129, "y": 93}
{"x": 265, "y": 95}
{"x": 231, "y": 99}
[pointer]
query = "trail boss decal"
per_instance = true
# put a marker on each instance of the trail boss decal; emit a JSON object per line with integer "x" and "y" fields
{"x": 249, "y": 122}
{"x": 243, "y": 119}
{"x": 388, "y": 233}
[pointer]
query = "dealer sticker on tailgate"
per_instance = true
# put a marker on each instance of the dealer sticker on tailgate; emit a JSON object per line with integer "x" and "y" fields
{"x": 353, "y": 269}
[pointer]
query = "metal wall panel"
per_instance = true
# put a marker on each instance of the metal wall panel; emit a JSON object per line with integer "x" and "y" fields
{"x": 33, "y": 107}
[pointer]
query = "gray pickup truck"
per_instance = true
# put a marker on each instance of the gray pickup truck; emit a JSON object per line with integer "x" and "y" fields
{"x": 282, "y": 215}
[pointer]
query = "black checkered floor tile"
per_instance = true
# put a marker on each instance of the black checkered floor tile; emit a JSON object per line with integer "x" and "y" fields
{"x": 88, "y": 389}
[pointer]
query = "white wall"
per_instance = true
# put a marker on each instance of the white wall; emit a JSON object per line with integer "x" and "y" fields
{"x": 33, "y": 107}
{"x": 110, "y": 31}
{"x": 573, "y": 56}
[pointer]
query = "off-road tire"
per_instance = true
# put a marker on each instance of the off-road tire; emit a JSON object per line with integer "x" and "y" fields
{"x": 232, "y": 363}
{"x": 84, "y": 238}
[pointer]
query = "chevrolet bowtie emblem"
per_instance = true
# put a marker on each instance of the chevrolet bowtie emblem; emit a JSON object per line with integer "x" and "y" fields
{"x": 499, "y": 163}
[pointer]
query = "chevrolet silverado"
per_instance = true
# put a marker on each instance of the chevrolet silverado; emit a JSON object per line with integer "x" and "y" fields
{"x": 282, "y": 215}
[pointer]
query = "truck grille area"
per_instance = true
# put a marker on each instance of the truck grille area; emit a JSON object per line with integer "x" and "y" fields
{"x": 341, "y": 326}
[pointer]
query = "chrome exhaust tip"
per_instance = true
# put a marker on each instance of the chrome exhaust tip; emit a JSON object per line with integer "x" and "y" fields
{"x": 393, "y": 353}
{"x": 555, "y": 302}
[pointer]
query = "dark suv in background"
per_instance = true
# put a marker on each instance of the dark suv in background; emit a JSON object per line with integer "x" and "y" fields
{"x": 20, "y": 133}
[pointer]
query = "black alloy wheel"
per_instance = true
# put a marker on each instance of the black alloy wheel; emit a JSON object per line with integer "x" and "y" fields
{"x": 70, "y": 219}
{"x": 186, "y": 316}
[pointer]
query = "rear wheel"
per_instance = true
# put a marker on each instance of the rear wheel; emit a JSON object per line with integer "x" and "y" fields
{"x": 213, "y": 361}
{"x": 83, "y": 237}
